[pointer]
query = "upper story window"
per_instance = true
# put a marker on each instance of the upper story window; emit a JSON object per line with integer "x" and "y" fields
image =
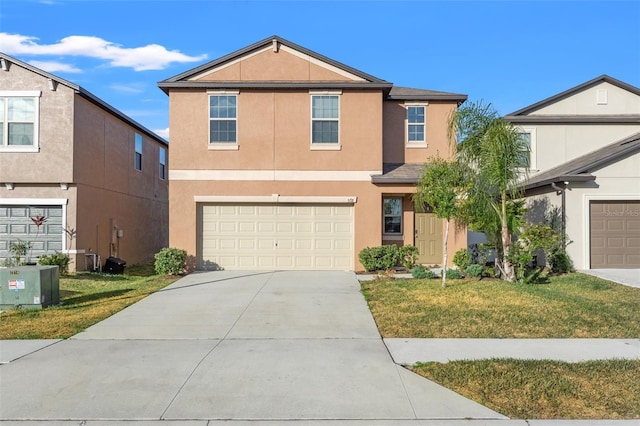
{"x": 325, "y": 121}
{"x": 392, "y": 213}
{"x": 19, "y": 115}
{"x": 223, "y": 119}
{"x": 416, "y": 125}
{"x": 527, "y": 157}
{"x": 138, "y": 155}
{"x": 162, "y": 172}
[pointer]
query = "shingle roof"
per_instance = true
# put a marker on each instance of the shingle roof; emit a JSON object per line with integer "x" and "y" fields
{"x": 581, "y": 168}
{"x": 409, "y": 94}
{"x": 85, "y": 94}
{"x": 399, "y": 173}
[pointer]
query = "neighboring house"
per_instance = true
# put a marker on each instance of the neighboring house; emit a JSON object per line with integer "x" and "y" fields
{"x": 282, "y": 158}
{"x": 97, "y": 175}
{"x": 585, "y": 162}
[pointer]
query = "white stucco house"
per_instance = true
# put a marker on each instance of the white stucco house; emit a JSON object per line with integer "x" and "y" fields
{"x": 585, "y": 162}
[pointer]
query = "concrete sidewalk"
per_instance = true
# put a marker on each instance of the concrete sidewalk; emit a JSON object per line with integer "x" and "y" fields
{"x": 265, "y": 346}
{"x": 411, "y": 351}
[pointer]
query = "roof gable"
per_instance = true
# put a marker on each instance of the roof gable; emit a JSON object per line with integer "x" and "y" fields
{"x": 275, "y": 45}
{"x": 573, "y": 91}
{"x": 273, "y": 62}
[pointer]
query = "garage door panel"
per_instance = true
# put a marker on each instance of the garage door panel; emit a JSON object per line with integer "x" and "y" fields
{"x": 284, "y": 236}
{"x": 16, "y": 223}
{"x": 615, "y": 234}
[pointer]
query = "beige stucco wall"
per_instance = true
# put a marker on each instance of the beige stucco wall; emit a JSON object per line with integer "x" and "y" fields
{"x": 396, "y": 149}
{"x": 268, "y": 65}
{"x": 274, "y": 133}
{"x": 53, "y": 162}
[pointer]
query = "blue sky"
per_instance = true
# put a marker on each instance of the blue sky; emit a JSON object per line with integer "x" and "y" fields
{"x": 510, "y": 53}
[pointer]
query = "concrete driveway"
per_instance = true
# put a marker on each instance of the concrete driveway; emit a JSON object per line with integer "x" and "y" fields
{"x": 230, "y": 345}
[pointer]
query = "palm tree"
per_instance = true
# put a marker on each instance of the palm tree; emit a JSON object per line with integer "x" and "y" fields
{"x": 494, "y": 151}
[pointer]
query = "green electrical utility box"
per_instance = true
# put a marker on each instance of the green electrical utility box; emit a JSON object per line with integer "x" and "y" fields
{"x": 29, "y": 287}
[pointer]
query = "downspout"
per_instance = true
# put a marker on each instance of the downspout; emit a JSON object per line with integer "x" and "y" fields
{"x": 561, "y": 192}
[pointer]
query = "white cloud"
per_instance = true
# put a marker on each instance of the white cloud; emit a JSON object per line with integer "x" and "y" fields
{"x": 163, "y": 133}
{"x": 53, "y": 67}
{"x": 126, "y": 88}
{"x": 149, "y": 57}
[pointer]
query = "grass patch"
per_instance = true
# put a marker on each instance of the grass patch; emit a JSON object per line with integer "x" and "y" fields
{"x": 545, "y": 389}
{"x": 567, "y": 306}
{"x": 86, "y": 298}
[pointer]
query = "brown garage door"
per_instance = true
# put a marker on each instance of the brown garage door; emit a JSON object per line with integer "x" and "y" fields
{"x": 615, "y": 234}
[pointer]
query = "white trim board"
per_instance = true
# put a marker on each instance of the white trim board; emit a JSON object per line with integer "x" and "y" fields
{"x": 275, "y": 175}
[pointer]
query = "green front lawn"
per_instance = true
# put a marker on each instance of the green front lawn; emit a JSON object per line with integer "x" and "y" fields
{"x": 567, "y": 306}
{"x": 85, "y": 300}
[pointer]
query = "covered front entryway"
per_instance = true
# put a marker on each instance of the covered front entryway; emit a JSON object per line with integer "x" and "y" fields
{"x": 275, "y": 236}
{"x": 16, "y": 225}
{"x": 614, "y": 234}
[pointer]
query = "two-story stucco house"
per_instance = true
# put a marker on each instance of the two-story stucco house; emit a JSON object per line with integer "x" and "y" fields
{"x": 282, "y": 158}
{"x": 98, "y": 176}
{"x": 585, "y": 162}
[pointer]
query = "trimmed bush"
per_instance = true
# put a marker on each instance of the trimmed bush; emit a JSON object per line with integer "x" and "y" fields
{"x": 60, "y": 260}
{"x": 462, "y": 259}
{"x": 381, "y": 258}
{"x": 454, "y": 274}
{"x": 170, "y": 261}
{"x": 408, "y": 256}
{"x": 420, "y": 272}
{"x": 474, "y": 271}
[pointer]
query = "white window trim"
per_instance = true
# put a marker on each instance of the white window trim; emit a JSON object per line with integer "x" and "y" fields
{"x": 415, "y": 144}
{"x": 36, "y": 94}
{"x": 391, "y": 235}
{"x": 325, "y": 146}
{"x": 222, "y": 146}
{"x": 533, "y": 148}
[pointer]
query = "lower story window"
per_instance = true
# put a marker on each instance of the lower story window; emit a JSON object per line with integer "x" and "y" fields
{"x": 392, "y": 215}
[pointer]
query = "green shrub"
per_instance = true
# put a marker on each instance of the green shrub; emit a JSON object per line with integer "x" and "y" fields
{"x": 408, "y": 256}
{"x": 560, "y": 263}
{"x": 462, "y": 259}
{"x": 170, "y": 261}
{"x": 474, "y": 271}
{"x": 454, "y": 274}
{"x": 60, "y": 260}
{"x": 420, "y": 272}
{"x": 381, "y": 258}
{"x": 368, "y": 258}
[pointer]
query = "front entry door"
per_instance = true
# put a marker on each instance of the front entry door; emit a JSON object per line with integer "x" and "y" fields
{"x": 428, "y": 238}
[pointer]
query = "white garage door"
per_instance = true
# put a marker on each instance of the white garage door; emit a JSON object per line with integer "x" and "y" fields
{"x": 276, "y": 236}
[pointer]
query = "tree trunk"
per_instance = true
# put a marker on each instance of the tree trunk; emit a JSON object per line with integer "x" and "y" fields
{"x": 444, "y": 253}
{"x": 507, "y": 266}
